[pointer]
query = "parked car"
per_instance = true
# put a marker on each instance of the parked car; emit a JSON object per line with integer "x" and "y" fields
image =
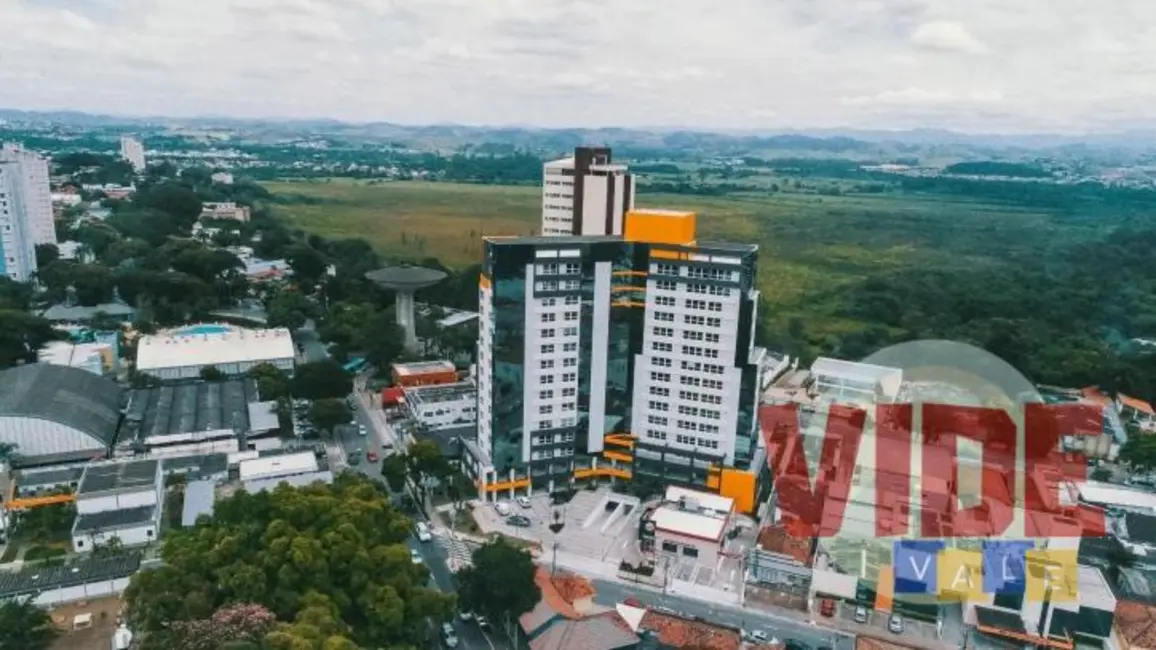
{"x": 518, "y": 521}
{"x": 895, "y": 624}
{"x": 482, "y": 622}
{"x": 449, "y": 635}
{"x": 860, "y": 614}
{"x": 371, "y": 456}
{"x": 827, "y": 607}
{"x": 423, "y": 534}
{"x": 503, "y": 508}
{"x": 759, "y": 636}
{"x": 355, "y": 457}
{"x": 415, "y": 556}
{"x": 524, "y": 502}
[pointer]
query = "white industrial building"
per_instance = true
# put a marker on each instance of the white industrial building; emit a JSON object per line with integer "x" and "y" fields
{"x": 87, "y": 579}
{"x": 691, "y": 524}
{"x": 31, "y": 171}
{"x": 585, "y": 194}
{"x": 132, "y": 151}
{"x": 200, "y": 496}
{"x": 265, "y": 467}
{"x": 443, "y": 406}
{"x": 121, "y": 499}
{"x": 55, "y": 414}
{"x": 96, "y": 358}
{"x": 233, "y": 351}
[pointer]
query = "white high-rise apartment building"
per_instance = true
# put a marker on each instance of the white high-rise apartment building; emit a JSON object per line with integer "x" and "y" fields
{"x": 623, "y": 356}
{"x": 585, "y": 194}
{"x": 133, "y": 152}
{"x": 17, "y": 248}
{"x": 31, "y": 175}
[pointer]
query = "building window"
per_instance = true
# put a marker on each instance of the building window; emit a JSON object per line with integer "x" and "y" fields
{"x": 548, "y": 317}
{"x": 548, "y": 333}
{"x": 669, "y": 547}
{"x": 664, "y": 301}
{"x": 545, "y": 394}
{"x": 664, "y": 316}
{"x": 665, "y": 285}
{"x": 546, "y": 364}
{"x": 689, "y": 551}
{"x": 548, "y": 349}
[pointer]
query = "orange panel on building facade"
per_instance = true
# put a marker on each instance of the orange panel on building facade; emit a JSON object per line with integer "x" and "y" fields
{"x": 661, "y": 227}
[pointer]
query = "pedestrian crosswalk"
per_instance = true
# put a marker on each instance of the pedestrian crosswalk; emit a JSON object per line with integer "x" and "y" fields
{"x": 458, "y": 551}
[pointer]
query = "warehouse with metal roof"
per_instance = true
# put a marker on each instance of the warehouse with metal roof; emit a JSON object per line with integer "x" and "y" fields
{"x": 56, "y": 414}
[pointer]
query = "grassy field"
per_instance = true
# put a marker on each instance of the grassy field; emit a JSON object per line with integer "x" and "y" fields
{"x": 810, "y": 245}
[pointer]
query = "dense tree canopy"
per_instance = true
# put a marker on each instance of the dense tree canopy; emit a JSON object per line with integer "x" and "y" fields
{"x": 331, "y": 562}
{"x": 24, "y": 626}
{"x": 321, "y": 380}
{"x": 500, "y": 581}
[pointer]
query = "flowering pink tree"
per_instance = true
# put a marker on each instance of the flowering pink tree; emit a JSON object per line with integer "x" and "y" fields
{"x": 238, "y": 622}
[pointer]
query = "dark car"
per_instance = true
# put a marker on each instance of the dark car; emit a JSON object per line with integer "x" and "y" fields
{"x": 518, "y": 521}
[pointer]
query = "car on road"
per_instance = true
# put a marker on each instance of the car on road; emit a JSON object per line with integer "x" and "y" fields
{"x": 524, "y": 502}
{"x": 759, "y": 636}
{"x": 355, "y": 457}
{"x": 518, "y": 521}
{"x": 449, "y": 635}
{"x": 827, "y": 607}
{"x": 482, "y": 622}
{"x": 860, "y": 614}
{"x": 503, "y": 508}
{"x": 415, "y": 556}
{"x": 423, "y": 534}
{"x": 371, "y": 456}
{"x": 362, "y": 431}
{"x": 466, "y": 616}
{"x": 895, "y": 624}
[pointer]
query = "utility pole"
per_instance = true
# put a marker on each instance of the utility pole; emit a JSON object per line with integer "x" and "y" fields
{"x": 554, "y": 558}
{"x": 665, "y": 575}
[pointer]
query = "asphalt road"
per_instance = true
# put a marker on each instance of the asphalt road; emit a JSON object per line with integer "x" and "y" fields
{"x": 436, "y": 558}
{"x": 313, "y": 348}
{"x": 608, "y": 593}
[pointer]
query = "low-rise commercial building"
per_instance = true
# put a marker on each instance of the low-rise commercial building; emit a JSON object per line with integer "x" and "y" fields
{"x": 423, "y": 373}
{"x": 225, "y": 210}
{"x": 443, "y": 406}
{"x": 689, "y": 524}
{"x": 233, "y": 351}
{"x": 86, "y": 579}
{"x": 277, "y": 466}
{"x": 118, "y": 499}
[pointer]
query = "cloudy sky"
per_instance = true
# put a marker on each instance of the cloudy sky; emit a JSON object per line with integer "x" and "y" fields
{"x": 976, "y": 65}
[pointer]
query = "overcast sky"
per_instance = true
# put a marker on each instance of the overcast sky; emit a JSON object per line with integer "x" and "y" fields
{"x": 973, "y": 65}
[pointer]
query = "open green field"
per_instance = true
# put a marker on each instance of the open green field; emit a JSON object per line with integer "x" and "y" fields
{"x": 810, "y": 245}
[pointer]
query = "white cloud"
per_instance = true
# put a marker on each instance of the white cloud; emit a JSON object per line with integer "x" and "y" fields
{"x": 946, "y": 36}
{"x": 985, "y": 64}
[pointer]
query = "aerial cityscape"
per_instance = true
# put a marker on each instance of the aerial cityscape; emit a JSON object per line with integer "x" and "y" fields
{"x": 835, "y": 329}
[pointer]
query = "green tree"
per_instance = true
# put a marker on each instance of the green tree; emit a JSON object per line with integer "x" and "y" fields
{"x": 272, "y": 382}
{"x": 326, "y": 557}
{"x": 425, "y": 461}
{"x": 24, "y": 626}
{"x": 394, "y": 470}
{"x": 328, "y": 413}
{"x": 321, "y": 380}
{"x": 174, "y": 199}
{"x": 500, "y": 582}
{"x": 46, "y": 254}
{"x": 1139, "y": 453}
{"x": 21, "y": 335}
{"x": 308, "y": 265}
{"x": 289, "y": 308}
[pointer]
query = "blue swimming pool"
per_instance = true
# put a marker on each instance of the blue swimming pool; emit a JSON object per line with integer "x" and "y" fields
{"x": 193, "y": 330}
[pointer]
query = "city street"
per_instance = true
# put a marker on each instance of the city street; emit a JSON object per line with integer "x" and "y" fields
{"x": 436, "y": 557}
{"x": 608, "y": 593}
{"x": 313, "y": 349}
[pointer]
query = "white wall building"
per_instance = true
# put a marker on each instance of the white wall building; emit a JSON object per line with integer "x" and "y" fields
{"x": 133, "y": 152}
{"x": 443, "y": 406}
{"x": 97, "y": 358}
{"x": 268, "y": 467}
{"x": 854, "y": 382}
{"x": 691, "y": 524}
{"x": 121, "y": 499}
{"x": 585, "y": 194}
{"x": 31, "y": 170}
{"x": 90, "y": 578}
{"x": 17, "y": 246}
{"x": 224, "y": 178}
{"x": 227, "y": 210}
{"x": 182, "y": 354}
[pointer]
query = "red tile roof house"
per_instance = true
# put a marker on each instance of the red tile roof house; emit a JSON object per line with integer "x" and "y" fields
{"x": 566, "y": 618}
{"x": 1138, "y": 411}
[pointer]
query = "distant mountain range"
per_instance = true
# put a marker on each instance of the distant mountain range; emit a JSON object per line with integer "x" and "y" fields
{"x": 722, "y": 142}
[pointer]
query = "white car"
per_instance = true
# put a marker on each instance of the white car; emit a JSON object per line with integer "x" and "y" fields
{"x": 895, "y": 624}
{"x": 524, "y": 502}
{"x": 362, "y": 431}
{"x": 759, "y": 636}
{"x": 423, "y": 534}
{"x": 466, "y": 616}
{"x": 450, "y": 636}
{"x": 415, "y": 556}
{"x": 503, "y": 508}
{"x": 860, "y": 614}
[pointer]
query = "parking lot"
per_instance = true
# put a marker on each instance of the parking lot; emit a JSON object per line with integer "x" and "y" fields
{"x": 876, "y": 624}
{"x": 598, "y": 525}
